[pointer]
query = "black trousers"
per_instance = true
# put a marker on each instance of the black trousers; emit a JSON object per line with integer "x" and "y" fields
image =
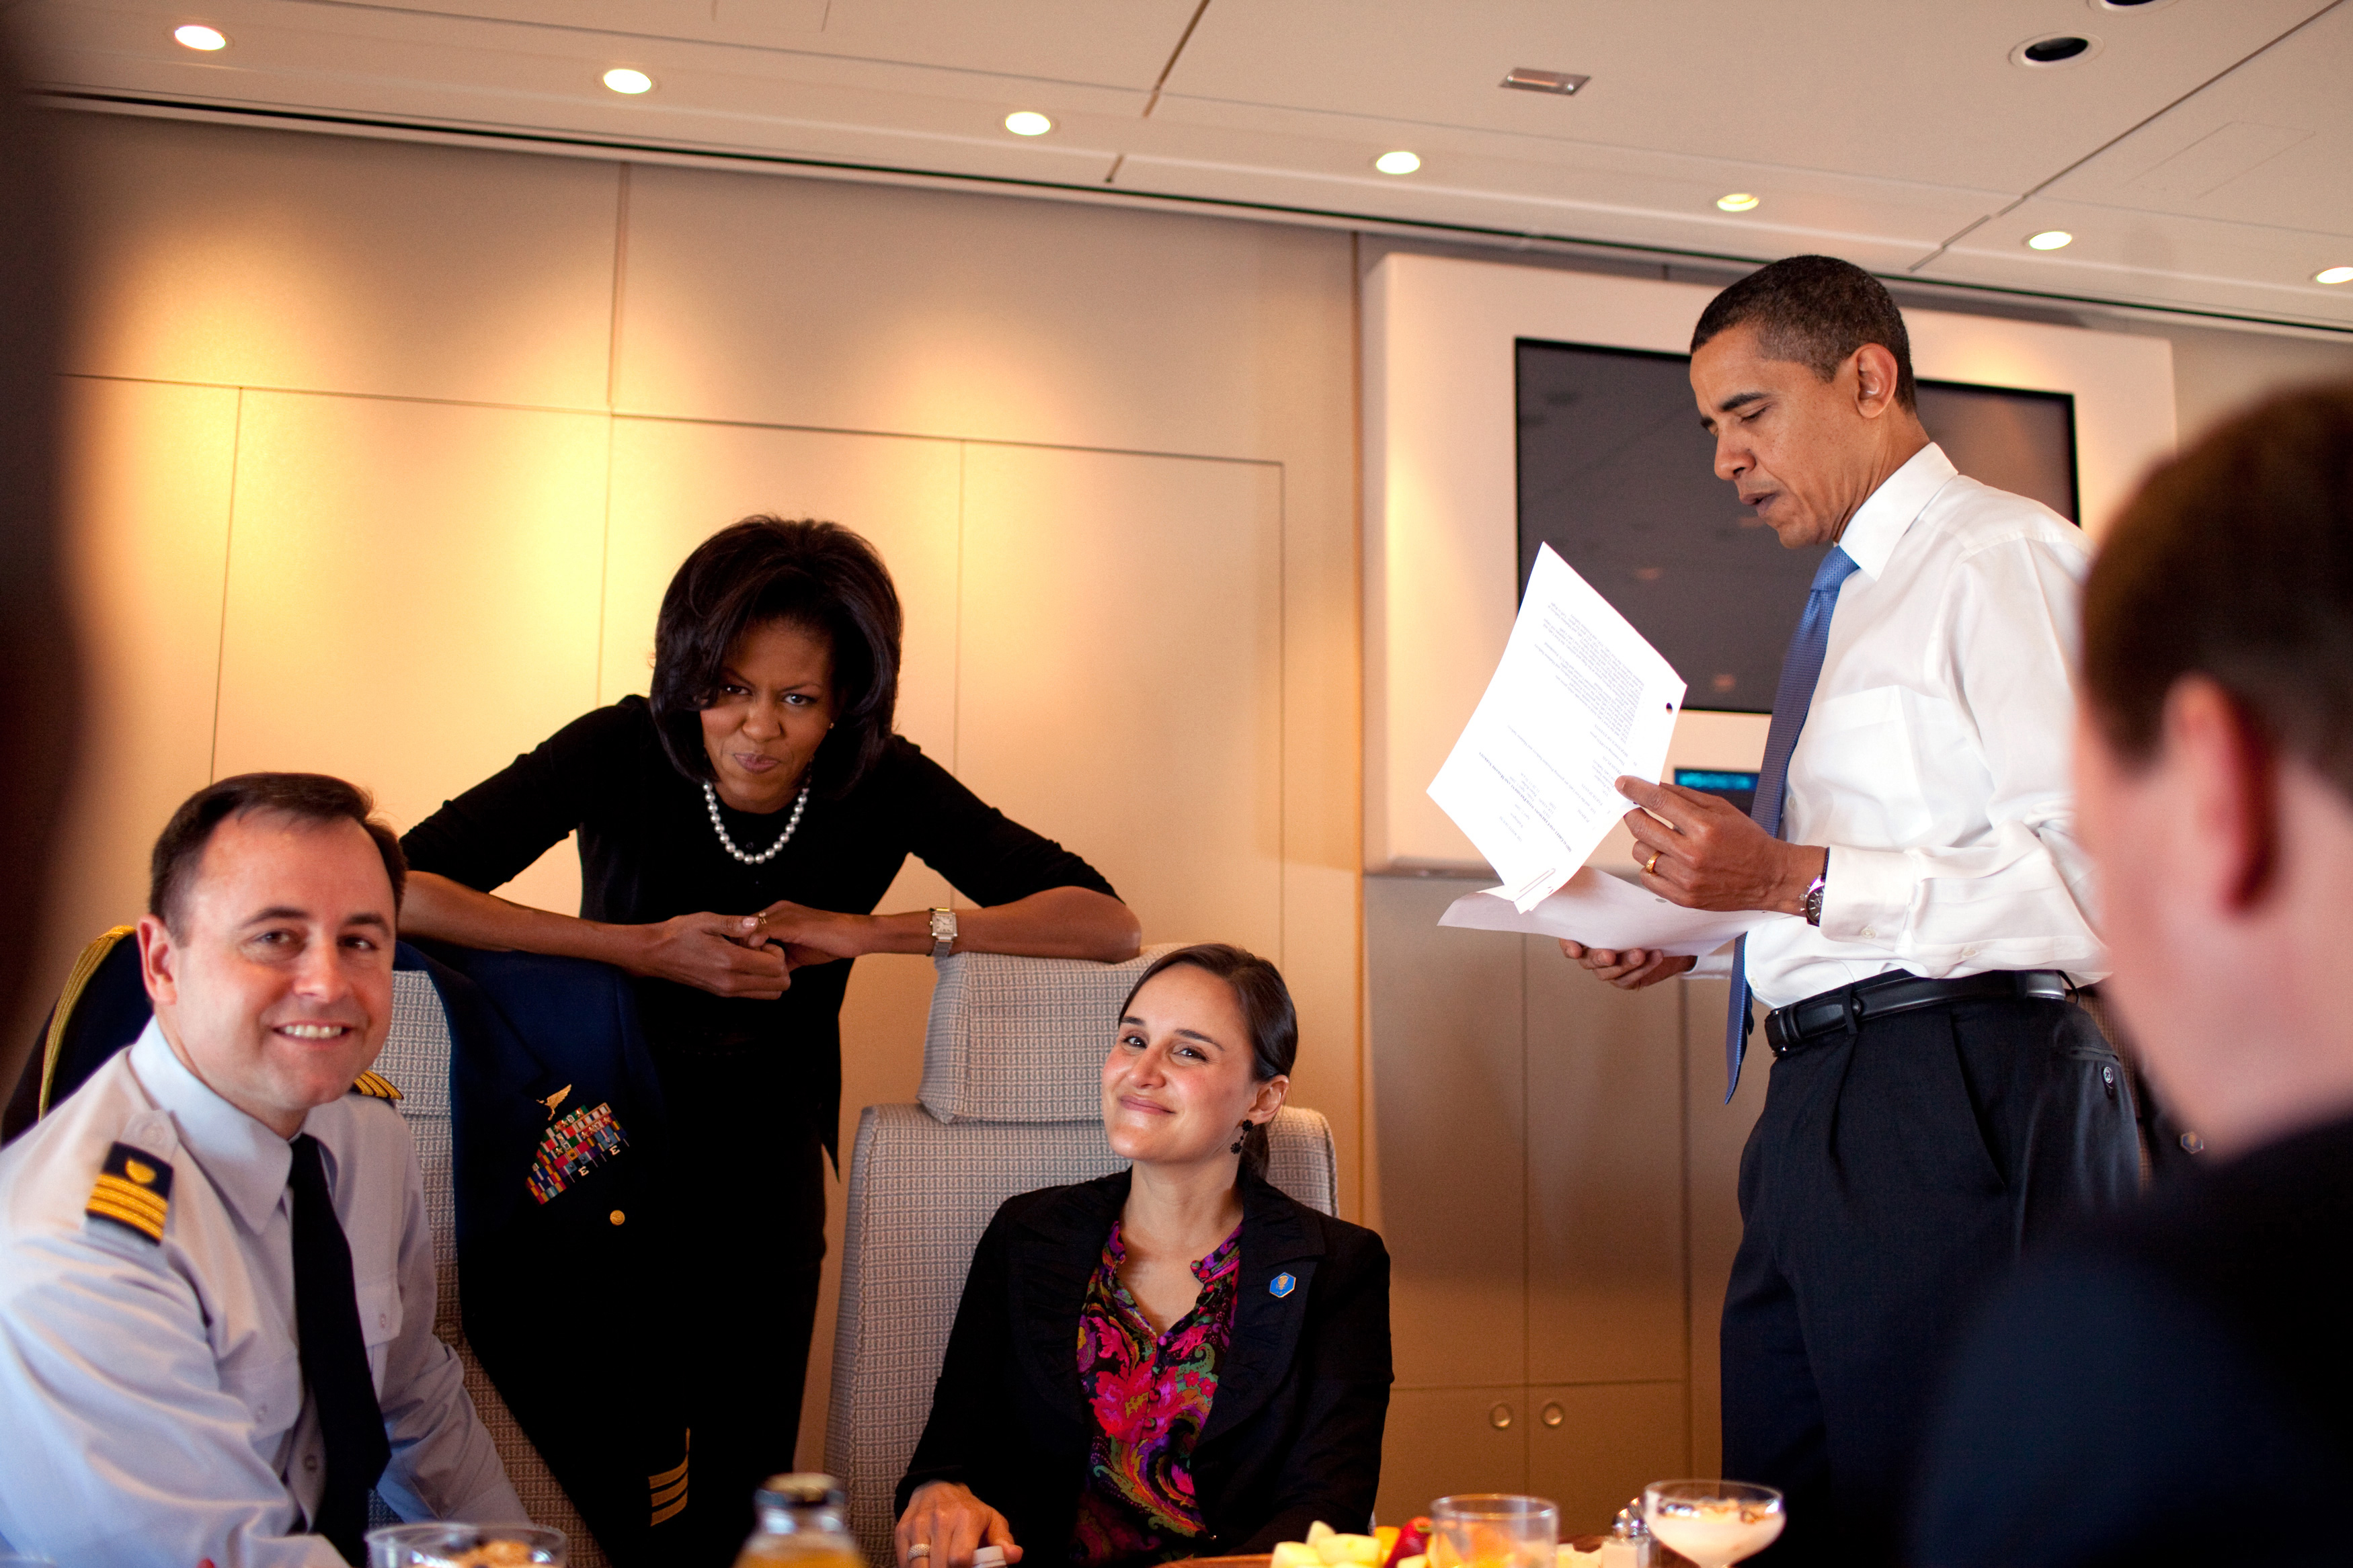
{"x": 1892, "y": 1178}
{"x": 752, "y": 1167}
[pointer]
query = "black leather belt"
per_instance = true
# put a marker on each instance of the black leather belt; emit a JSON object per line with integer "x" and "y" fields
{"x": 1842, "y": 1011}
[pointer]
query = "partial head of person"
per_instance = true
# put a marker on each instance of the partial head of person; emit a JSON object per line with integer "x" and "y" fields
{"x": 272, "y": 908}
{"x": 776, "y": 662}
{"x": 1802, "y": 372}
{"x": 2214, "y": 768}
{"x": 1201, "y": 1061}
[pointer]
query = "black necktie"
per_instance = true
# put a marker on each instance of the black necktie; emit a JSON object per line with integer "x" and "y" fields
{"x": 334, "y": 1357}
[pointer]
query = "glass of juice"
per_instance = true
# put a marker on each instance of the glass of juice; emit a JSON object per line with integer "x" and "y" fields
{"x": 451, "y": 1546}
{"x": 1493, "y": 1530}
{"x": 1713, "y": 1523}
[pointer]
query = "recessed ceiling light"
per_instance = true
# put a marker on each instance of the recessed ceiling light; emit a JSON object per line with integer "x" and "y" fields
{"x": 1738, "y": 202}
{"x": 621, "y": 78}
{"x": 2054, "y": 50}
{"x": 2050, "y": 239}
{"x": 1027, "y": 122}
{"x": 1527, "y": 78}
{"x": 2129, "y": 4}
{"x": 2334, "y": 274}
{"x": 1397, "y": 163}
{"x": 196, "y": 36}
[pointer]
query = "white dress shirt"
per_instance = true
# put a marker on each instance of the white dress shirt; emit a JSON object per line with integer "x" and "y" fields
{"x": 1935, "y": 757}
{"x": 151, "y": 1406}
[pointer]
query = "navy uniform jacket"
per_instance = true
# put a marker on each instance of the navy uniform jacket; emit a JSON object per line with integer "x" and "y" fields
{"x": 1293, "y": 1434}
{"x": 563, "y": 1300}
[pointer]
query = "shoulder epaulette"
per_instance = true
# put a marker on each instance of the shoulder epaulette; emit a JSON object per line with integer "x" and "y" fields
{"x": 134, "y": 1190}
{"x": 375, "y": 1087}
{"x": 76, "y": 980}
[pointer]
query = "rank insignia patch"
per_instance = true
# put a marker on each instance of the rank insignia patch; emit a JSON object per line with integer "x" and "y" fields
{"x": 374, "y": 1086}
{"x": 572, "y": 1148}
{"x": 134, "y": 1190}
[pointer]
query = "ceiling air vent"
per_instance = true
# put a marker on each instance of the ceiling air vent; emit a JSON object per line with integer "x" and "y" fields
{"x": 1527, "y": 78}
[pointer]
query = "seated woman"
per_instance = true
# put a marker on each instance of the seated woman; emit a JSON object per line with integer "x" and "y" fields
{"x": 1175, "y": 1360}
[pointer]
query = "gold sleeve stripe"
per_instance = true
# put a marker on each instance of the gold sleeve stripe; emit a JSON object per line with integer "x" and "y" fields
{"x": 130, "y": 1196}
{"x": 106, "y": 1208}
{"x": 671, "y": 1493}
{"x": 668, "y": 1511}
{"x": 675, "y": 1473}
{"x": 375, "y": 1087}
{"x": 53, "y": 1044}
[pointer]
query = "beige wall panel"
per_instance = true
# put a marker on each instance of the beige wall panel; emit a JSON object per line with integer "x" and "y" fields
{"x": 412, "y": 595}
{"x": 1447, "y": 1077}
{"x": 676, "y": 483}
{"x": 147, "y": 471}
{"x": 1443, "y": 1440}
{"x": 277, "y": 259}
{"x": 1718, "y": 1133}
{"x": 1611, "y": 1440}
{"x": 816, "y": 302}
{"x": 1605, "y": 1292}
{"x": 1119, "y": 679}
{"x": 1323, "y": 964}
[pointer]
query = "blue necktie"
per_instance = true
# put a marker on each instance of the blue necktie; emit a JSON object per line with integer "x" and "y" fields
{"x": 1801, "y": 667}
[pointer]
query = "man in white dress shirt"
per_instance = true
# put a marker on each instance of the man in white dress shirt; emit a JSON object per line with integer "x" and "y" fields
{"x": 1937, "y": 1095}
{"x": 216, "y": 1278}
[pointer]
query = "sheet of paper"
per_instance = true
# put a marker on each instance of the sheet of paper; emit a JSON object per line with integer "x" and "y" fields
{"x": 1579, "y": 699}
{"x": 1603, "y": 910}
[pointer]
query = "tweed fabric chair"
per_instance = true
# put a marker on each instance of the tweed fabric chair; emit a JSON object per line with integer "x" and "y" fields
{"x": 1011, "y": 1102}
{"x": 415, "y": 1058}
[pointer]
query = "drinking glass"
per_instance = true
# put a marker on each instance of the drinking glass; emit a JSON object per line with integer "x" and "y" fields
{"x": 1713, "y": 1522}
{"x": 1493, "y": 1530}
{"x": 450, "y": 1545}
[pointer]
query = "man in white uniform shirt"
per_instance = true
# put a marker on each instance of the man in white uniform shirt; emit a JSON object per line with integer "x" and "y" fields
{"x": 216, "y": 1278}
{"x": 1937, "y": 1095}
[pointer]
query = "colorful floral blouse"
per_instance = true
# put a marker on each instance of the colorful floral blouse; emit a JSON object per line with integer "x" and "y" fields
{"x": 1149, "y": 1393}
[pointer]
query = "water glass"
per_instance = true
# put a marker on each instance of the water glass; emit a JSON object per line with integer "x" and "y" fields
{"x": 1493, "y": 1530}
{"x": 452, "y": 1545}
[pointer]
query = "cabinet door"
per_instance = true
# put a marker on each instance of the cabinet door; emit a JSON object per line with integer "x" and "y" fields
{"x": 1445, "y": 1440}
{"x": 1604, "y": 1111}
{"x": 1593, "y": 1447}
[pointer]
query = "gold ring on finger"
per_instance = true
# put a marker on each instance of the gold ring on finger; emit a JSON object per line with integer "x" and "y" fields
{"x": 1651, "y": 868}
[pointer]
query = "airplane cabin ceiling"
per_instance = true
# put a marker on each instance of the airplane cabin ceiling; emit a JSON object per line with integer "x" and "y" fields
{"x": 2200, "y": 151}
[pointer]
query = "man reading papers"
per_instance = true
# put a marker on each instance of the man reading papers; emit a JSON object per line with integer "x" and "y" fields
{"x": 1936, "y": 1098}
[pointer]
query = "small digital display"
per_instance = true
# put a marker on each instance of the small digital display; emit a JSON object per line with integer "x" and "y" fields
{"x": 1739, "y": 788}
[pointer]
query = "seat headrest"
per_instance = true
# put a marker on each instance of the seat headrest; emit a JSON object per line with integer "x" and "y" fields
{"x": 1022, "y": 1039}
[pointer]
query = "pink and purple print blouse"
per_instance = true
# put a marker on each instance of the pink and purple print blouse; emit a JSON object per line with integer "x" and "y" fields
{"x": 1149, "y": 1393}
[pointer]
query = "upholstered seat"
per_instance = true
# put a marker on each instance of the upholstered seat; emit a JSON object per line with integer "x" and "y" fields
{"x": 1011, "y": 1102}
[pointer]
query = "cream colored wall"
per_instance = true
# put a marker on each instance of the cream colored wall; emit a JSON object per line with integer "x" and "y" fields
{"x": 382, "y": 453}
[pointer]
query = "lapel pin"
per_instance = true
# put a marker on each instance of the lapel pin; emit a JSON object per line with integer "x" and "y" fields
{"x": 1282, "y": 1284}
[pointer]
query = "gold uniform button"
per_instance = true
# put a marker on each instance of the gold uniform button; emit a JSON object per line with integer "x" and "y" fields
{"x": 616, "y": 1216}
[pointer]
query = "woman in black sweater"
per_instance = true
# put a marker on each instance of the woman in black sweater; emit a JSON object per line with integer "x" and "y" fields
{"x": 1177, "y": 1361}
{"x": 736, "y": 831}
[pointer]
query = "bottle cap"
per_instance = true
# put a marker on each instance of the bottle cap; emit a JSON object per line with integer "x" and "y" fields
{"x": 989, "y": 1557}
{"x": 804, "y": 1489}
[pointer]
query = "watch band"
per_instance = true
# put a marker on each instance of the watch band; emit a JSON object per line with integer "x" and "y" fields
{"x": 944, "y": 932}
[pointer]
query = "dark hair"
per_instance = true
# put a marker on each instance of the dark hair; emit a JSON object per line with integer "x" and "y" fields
{"x": 816, "y": 575}
{"x": 2235, "y": 562}
{"x": 1266, "y": 1007}
{"x": 1816, "y": 311}
{"x": 307, "y": 797}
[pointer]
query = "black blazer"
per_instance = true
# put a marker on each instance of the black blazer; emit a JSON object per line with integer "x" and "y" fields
{"x": 1294, "y": 1436}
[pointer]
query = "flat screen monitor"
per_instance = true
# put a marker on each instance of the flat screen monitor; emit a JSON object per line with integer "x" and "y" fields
{"x": 1615, "y": 474}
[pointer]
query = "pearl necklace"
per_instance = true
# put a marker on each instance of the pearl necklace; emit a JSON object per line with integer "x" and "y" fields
{"x": 711, "y": 799}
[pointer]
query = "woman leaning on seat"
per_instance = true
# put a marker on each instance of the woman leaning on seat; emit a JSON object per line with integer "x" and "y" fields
{"x": 1175, "y": 1360}
{"x": 733, "y": 833}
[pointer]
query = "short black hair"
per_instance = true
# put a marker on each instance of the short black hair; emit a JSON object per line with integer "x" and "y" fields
{"x": 818, "y": 576}
{"x": 1266, "y": 1006}
{"x": 1815, "y": 311}
{"x": 2235, "y": 562}
{"x": 306, "y": 797}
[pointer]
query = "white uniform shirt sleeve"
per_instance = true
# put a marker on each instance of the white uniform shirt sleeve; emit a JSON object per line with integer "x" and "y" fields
{"x": 118, "y": 1444}
{"x": 443, "y": 1464}
{"x": 2018, "y": 896}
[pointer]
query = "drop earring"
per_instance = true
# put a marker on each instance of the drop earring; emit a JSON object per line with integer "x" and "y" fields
{"x": 1244, "y": 1138}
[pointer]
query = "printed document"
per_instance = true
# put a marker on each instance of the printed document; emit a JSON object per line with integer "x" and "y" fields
{"x": 1580, "y": 699}
{"x": 1601, "y": 910}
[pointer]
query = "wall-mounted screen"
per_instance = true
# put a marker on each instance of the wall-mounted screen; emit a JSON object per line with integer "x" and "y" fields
{"x": 1615, "y": 474}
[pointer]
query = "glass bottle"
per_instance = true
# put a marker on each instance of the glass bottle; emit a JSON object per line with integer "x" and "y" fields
{"x": 800, "y": 1524}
